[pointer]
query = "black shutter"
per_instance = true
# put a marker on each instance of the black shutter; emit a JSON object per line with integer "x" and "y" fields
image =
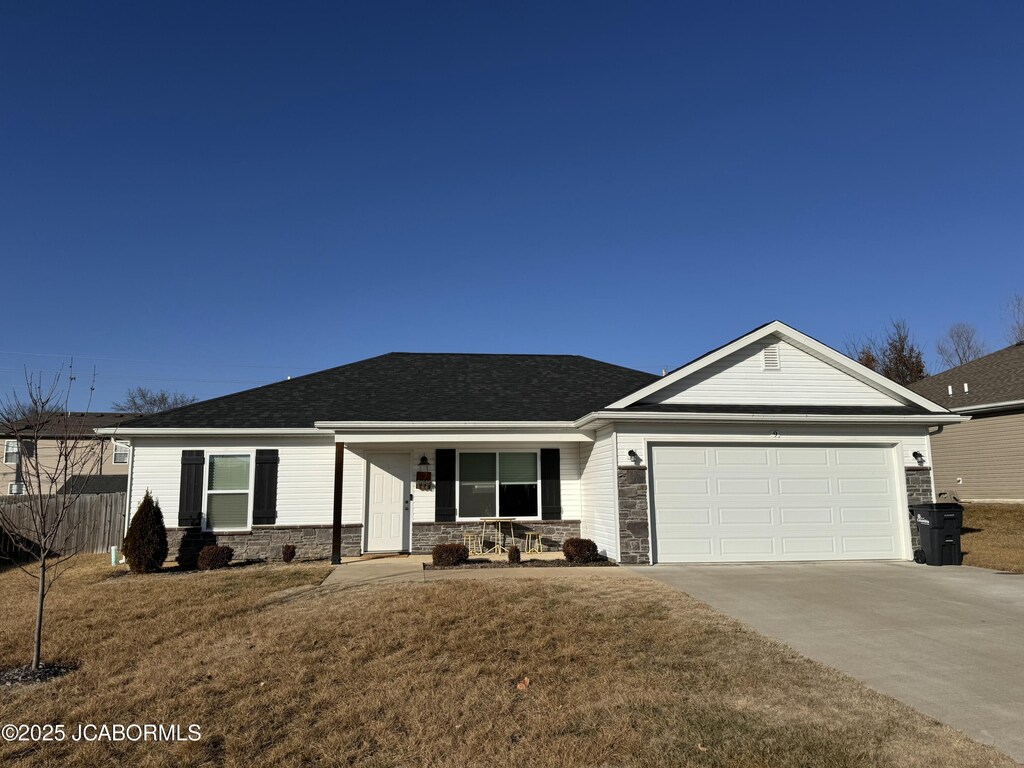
{"x": 444, "y": 497}
{"x": 550, "y": 484}
{"x": 190, "y": 500}
{"x": 264, "y": 508}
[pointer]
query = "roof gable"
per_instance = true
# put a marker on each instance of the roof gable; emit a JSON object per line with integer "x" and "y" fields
{"x": 809, "y": 373}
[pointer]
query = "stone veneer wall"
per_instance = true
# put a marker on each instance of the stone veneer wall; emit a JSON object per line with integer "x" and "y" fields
{"x": 919, "y": 491}
{"x": 634, "y": 522}
{"x": 552, "y": 533}
{"x": 264, "y": 542}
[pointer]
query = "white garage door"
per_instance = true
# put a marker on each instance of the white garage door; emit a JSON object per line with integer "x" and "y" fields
{"x": 742, "y": 503}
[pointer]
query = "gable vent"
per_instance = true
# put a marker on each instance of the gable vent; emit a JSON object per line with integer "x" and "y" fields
{"x": 770, "y": 358}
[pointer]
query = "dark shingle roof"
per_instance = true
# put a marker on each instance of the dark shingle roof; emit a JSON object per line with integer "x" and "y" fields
{"x": 995, "y": 378}
{"x": 403, "y": 386}
{"x": 75, "y": 423}
{"x": 89, "y": 484}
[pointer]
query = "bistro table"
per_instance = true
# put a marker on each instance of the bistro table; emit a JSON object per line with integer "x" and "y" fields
{"x": 497, "y": 549}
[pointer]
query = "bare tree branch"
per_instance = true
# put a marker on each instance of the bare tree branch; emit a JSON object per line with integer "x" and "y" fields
{"x": 54, "y": 445}
{"x": 143, "y": 400}
{"x": 1015, "y": 318}
{"x": 960, "y": 345}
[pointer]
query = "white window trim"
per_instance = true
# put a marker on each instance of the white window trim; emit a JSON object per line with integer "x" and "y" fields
{"x": 127, "y": 451}
{"x": 497, "y": 485}
{"x": 251, "y": 453}
{"x": 11, "y": 492}
{"x": 16, "y": 451}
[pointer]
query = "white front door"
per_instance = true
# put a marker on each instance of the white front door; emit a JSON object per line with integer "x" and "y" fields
{"x": 388, "y": 505}
{"x": 739, "y": 503}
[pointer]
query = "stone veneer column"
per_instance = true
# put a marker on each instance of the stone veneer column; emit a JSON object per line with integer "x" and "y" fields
{"x": 634, "y": 523}
{"x": 919, "y": 491}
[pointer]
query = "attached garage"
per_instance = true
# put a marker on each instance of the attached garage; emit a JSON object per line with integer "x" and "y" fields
{"x": 746, "y": 502}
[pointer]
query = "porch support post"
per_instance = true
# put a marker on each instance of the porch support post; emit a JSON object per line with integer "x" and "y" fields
{"x": 339, "y": 462}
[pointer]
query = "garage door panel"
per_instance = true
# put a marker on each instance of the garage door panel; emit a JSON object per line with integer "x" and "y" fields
{"x": 754, "y": 503}
{"x": 866, "y": 485}
{"x": 797, "y": 486}
{"x": 684, "y": 518}
{"x": 742, "y": 457}
{"x": 748, "y": 546}
{"x": 817, "y": 546}
{"x": 744, "y": 486}
{"x": 858, "y": 457}
{"x": 699, "y": 550}
{"x": 802, "y": 457}
{"x": 806, "y": 516}
{"x": 687, "y": 486}
{"x": 869, "y": 544}
{"x": 745, "y": 515}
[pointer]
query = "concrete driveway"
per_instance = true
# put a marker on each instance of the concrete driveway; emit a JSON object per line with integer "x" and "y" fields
{"x": 947, "y": 641}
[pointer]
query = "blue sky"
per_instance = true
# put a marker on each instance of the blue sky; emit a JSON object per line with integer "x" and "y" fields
{"x": 210, "y": 196}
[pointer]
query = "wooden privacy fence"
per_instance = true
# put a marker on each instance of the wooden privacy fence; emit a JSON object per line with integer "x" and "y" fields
{"x": 96, "y": 523}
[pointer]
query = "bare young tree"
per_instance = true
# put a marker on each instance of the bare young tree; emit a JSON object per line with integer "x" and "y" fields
{"x": 960, "y": 345}
{"x": 144, "y": 400}
{"x": 1015, "y": 318}
{"x": 38, "y": 523}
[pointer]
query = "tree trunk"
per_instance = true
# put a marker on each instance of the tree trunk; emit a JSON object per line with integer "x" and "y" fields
{"x": 37, "y": 641}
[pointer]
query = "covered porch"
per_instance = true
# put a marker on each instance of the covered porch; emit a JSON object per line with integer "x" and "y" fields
{"x": 406, "y": 493}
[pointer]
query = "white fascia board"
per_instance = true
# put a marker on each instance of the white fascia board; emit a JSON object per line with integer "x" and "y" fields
{"x": 419, "y": 438}
{"x": 989, "y": 406}
{"x": 814, "y": 346}
{"x": 153, "y": 431}
{"x": 589, "y": 421}
{"x": 412, "y": 427}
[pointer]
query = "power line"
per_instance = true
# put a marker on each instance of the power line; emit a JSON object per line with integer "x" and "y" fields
{"x": 149, "y": 362}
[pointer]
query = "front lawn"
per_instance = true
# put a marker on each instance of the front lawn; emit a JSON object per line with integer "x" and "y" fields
{"x": 993, "y": 536}
{"x": 622, "y": 672}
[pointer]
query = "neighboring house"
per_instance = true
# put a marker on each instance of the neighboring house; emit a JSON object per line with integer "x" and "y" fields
{"x": 94, "y": 455}
{"x": 772, "y": 447}
{"x": 982, "y": 459}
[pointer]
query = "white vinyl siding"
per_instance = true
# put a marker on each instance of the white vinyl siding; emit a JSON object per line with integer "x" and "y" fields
{"x": 910, "y": 437}
{"x": 801, "y": 379}
{"x": 305, "y": 480}
{"x": 598, "y": 481}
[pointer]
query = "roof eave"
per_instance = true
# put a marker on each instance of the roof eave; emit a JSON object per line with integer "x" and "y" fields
{"x": 925, "y": 419}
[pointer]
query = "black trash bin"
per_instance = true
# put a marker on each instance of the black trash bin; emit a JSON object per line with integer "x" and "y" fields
{"x": 939, "y": 526}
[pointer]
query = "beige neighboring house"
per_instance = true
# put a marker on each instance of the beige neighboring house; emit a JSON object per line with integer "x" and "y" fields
{"x": 981, "y": 459}
{"x": 100, "y": 464}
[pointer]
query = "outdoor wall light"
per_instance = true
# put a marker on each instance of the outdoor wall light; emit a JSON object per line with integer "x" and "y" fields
{"x": 633, "y": 456}
{"x": 918, "y": 457}
{"x": 424, "y": 465}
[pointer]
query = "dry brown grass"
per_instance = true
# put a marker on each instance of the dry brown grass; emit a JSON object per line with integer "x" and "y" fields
{"x": 624, "y": 672}
{"x": 993, "y": 536}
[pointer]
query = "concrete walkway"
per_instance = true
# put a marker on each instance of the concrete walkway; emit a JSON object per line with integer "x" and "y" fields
{"x": 947, "y": 641}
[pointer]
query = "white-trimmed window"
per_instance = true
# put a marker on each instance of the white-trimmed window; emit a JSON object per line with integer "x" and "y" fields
{"x": 11, "y": 451}
{"x": 120, "y": 452}
{"x": 15, "y": 489}
{"x": 228, "y": 504}
{"x": 504, "y": 484}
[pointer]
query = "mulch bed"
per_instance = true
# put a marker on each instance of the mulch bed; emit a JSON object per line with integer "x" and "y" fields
{"x": 28, "y": 676}
{"x": 523, "y": 564}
